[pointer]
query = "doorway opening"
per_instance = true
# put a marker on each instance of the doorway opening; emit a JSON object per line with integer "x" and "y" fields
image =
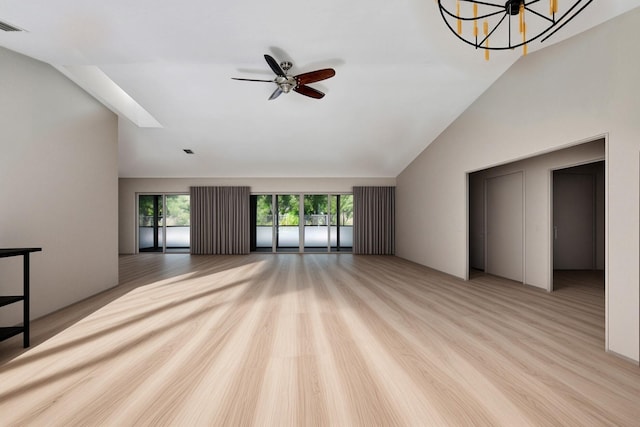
{"x": 578, "y": 234}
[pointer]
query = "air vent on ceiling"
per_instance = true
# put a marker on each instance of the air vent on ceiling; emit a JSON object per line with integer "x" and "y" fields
{"x": 6, "y": 27}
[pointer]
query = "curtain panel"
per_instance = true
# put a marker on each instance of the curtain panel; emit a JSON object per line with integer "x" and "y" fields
{"x": 374, "y": 220}
{"x": 220, "y": 220}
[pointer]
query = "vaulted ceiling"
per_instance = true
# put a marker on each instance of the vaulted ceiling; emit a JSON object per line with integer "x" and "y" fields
{"x": 401, "y": 78}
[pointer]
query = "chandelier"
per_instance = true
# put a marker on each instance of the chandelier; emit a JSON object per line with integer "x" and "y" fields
{"x": 508, "y": 25}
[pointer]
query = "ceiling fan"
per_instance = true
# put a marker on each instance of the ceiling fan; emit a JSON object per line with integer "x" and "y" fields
{"x": 298, "y": 83}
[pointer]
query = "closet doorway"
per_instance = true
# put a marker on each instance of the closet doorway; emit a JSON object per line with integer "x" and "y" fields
{"x": 578, "y": 232}
{"x": 502, "y": 196}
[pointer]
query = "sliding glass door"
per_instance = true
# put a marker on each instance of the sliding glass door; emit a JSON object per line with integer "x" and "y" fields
{"x": 163, "y": 223}
{"x": 326, "y": 219}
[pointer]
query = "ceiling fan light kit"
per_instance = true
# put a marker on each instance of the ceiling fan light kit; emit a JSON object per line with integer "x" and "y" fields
{"x": 511, "y": 24}
{"x": 286, "y": 83}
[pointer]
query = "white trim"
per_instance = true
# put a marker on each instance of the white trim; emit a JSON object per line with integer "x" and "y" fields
{"x": 524, "y": 227}
{"x": 552, "y": 231}
{"x": 467, "y": 206}
{"x": 301, "y": 222}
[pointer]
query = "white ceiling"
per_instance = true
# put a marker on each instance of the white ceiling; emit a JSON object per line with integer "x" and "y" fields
{"x": 401, "y": 78}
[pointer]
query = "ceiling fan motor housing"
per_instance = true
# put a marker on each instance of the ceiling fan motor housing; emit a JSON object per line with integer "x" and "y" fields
{"x": 286, "y": 83}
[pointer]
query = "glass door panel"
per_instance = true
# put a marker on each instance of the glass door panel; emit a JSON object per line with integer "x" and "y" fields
{"x": 341, "y": 222}
{"x": 288, "y": 223}
{"x": 333, "y": 222}
{"x": 262, "y": 222}
{"x": 150, "y": 223}
{"x": 178, "y": 223}
{"x": 316, "y": 223}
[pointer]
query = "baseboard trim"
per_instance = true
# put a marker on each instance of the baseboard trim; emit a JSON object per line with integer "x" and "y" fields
{"x": 623, "y": 357}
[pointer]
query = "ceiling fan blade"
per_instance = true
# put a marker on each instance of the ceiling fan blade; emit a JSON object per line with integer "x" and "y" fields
{"x": 252, "y": 80}
{"x": 308, "y": 91}
{"x": 276, "y": 93}
{"x": 315, "y": 76}
{"x": 274, "y": 65}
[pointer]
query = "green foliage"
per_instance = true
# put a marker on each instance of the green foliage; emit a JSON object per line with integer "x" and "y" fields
{"x": 264, "y": 211}
{"x": 146, "y": 209}
{"x": 315, "y": 204}
{"x": 288, "y": 209}
{"x": 346, "y": 209}
{"x": 178, "y": 208}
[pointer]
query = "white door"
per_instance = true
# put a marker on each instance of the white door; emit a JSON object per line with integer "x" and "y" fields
{"x": 573, "y": 220}
{"x": 505, "y": 226}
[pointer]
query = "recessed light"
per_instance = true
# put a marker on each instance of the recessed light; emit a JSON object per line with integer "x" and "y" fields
{"x": 188, "y": 151}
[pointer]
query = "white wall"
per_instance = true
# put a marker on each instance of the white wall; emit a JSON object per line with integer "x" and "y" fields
{"x": 58, "y": 187}
{"x": 129, "y": 187}
{"x": 574, "y": 91}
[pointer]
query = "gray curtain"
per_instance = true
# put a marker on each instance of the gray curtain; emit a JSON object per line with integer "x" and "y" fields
{"x": 374, "y": 220}
{"x": 220, "y": 220}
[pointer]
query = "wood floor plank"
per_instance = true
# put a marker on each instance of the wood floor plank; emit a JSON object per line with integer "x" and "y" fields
{"x": 319, "y": 339}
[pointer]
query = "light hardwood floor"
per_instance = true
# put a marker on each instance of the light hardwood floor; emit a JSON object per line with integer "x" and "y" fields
{"x": 291, "y": 340}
